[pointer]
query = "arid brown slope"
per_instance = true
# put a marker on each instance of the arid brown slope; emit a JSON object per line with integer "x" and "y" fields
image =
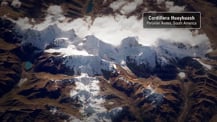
{"x": 154, "y": 99}
{"x": 201, "y": 93}
{"x": 209, "y": 17}
{"x": 34, "y": 99}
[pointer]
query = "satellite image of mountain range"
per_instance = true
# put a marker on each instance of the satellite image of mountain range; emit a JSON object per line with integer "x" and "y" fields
{"x": 93, "y": 61}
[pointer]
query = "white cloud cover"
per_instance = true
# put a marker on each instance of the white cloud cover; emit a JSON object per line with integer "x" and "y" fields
{"x": 125, "y": 7}
{"x": 113, "y": 29}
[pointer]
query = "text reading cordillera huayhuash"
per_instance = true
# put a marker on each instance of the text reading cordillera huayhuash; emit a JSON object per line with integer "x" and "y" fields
{"x": 174, "y": 18}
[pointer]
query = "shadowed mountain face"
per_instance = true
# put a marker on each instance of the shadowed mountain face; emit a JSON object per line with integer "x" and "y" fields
{"x": 10, "y": 63}
{"x": 40, "y": 85}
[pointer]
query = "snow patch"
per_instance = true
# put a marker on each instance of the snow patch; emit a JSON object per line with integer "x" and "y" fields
{"x": 177, "y": 9}
{"x": 182, "y": 75}
{"x": 104, "y": 1}
{"x": 16, "y": 3}
{"x": 160, "y": 1}
{"x": 117, "y": 4}
{"x": 54, "y": 10}
{"x": 54, "y": 13}
{"x": 130, "y": 6}
{"x": 151, "y": 89}
{"x": 125, "y": 7}
{"x": 23, "y": 24}
{"x": 68, "y": 51}
{"x": 22, "y": 81}
{"x": 173, "y": 8}
{"x": 4, "y": 3}
{"x": 209, "y": 67}
{"x": 53, "y": 110}
{"x": 74, "y": 119}
{"x": 169, "y": 4}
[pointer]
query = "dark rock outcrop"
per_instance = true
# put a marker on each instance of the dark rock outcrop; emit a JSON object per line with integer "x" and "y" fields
{"x": 10, "y": 72}
{"x": 52, "y": 64}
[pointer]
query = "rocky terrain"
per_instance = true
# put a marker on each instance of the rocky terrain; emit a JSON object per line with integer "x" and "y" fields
{"x": 40, "y": 83}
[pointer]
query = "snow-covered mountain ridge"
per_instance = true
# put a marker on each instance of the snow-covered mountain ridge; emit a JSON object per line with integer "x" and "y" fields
{"x": 90, "y": 45}
{"x": 91, "y": 55}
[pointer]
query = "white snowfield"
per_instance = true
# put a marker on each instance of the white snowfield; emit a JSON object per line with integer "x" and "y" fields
{"x": 209, "y": 67}
{"x": 182, "y": 75}
{"x": 87, "y": 91}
